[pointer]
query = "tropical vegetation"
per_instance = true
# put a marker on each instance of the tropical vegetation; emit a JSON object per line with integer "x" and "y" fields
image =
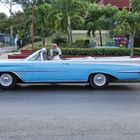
{"x": 55, "y": 17}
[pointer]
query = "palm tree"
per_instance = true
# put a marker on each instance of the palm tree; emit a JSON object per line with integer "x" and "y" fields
{"x": 66, "y": 10}
{"x": 42, "y": 13}
{"x": 99, "y": 17}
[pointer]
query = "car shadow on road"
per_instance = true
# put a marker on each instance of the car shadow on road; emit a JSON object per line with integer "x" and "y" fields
{"x": 70, "y": 88}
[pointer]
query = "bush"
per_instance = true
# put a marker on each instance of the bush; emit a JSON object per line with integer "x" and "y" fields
{"x": 81, "y": 44}
{"x": 96, "y": 51}
{"x": 59, "y": 39}
{"x": 99, "y": 52}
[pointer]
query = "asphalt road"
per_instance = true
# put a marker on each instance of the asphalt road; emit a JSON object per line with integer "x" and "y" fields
{"x": 58, "y": 112}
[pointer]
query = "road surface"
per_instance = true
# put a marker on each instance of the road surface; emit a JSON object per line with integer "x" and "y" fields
{"x": 58, "y": 112}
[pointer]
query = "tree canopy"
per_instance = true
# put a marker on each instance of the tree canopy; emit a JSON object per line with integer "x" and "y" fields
{"x": 53, "y": 16}
{"x": 127, "y": 22}
{"x": 4, "y": 24}
{"x": 69, "y": 12}
{"x": 100, "y": 17}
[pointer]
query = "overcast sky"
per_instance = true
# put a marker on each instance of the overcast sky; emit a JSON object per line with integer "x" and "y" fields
{"x": 5, "y": 10}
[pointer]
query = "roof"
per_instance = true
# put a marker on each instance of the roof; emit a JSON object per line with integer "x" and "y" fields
{"x": 119, "y": 3}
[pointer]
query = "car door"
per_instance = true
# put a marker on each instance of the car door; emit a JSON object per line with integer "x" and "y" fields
{"x": 50, "y": 71}
{"x": 78, "y": 72}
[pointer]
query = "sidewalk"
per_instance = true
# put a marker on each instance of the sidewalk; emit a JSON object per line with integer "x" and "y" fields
{"x": 4, "y": 52}
{"x": 8, "y": 49}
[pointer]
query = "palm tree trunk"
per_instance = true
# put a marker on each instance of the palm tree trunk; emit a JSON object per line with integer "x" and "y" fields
{"x": 101, "y": 40}
{"x": 133, "y": 38}
{"x": 69, "y": 30}
{"x": 43, "y": 39}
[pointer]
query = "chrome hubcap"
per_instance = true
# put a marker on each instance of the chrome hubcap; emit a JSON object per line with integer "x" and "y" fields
{"x": 6, "y": 80}
{"x": 99, "y": 79}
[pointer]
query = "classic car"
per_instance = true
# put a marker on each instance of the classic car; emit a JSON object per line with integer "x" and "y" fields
{"x": 37, "y": 68}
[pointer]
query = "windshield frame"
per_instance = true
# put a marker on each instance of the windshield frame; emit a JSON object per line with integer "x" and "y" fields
{"x": 39, "y": 52}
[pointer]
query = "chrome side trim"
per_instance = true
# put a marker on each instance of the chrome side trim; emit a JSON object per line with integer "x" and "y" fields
{"x": 130, "y": 71}
{"x": 13, "y": 73}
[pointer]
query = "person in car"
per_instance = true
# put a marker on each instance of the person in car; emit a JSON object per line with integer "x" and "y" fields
{"x": 55, "y": 47}
{"x": 56, "y": 55}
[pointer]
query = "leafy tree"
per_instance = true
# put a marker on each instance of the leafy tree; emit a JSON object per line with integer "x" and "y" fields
{"x": 68, "y": 11}
{"x": 27, "y": 3}
{"x": 77, "y": 22}
{"x": 127, "y": 22}
{"x": 42, "y": 13}
{"x": 135, "y": 6}
{"x": 20, "y": 24}
{"x": 100, "y": 17}
{"x": 4, "y": 23}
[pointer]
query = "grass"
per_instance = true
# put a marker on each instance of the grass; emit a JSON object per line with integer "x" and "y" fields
{"x": 79, "y": 35}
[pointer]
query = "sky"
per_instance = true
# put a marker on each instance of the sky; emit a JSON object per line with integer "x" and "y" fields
{"x": 4, "y": 9}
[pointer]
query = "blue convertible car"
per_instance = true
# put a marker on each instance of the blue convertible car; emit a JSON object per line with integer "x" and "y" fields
{"x": 37, "y": 69}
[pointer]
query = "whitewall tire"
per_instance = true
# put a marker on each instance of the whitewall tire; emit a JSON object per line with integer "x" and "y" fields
{"x": 99, "y": 80}
{"x": 7, "y": 81}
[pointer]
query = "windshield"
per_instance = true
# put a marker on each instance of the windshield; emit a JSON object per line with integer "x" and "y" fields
{"x": 39, "y": 55}
{"x": 35, "y": 57}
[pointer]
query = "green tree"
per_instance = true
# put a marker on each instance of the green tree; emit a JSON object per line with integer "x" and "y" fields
{"x": 100, "y": 17}
{"x": 68, "y": 12}
{"x": 127, "y": 22}
{"x": 27, "y": 3}
{"x": 42, "y": 13}
{"x": 135, "y": 6}
{"x": 4, "y": 23}
{"x": 20, "y": 24}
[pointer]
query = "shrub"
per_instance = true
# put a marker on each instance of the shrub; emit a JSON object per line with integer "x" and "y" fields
{"x": 59, "y": 39}
{"x": 81, "y": 44}
{"x": 99, "y": 52}
{"x": 96, "y": 51}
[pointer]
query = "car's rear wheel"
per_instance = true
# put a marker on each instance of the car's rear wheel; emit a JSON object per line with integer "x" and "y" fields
{"x": 99, "y": 80}
{"x": 7, "y": 81}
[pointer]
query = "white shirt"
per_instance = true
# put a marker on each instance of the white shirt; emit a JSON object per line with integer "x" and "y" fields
{"x": 56, "y": 57}
{"x": 59, "y": 50}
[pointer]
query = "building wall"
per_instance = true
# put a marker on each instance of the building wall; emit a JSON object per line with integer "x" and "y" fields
{"x": 119, "y": 3}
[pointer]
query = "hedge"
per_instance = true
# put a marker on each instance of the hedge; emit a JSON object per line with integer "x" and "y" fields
{"x": 100, "y": 52}
{"x": 96, "y": 51}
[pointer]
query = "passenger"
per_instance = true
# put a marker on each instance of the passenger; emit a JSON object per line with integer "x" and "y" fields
{"x": 55, "y": 47}
{"x": 56, "y": 55}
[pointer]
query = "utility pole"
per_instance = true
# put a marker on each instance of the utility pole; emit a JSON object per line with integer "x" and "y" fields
{"x": 10, "y": 10}
{"x": 33, "y": 24}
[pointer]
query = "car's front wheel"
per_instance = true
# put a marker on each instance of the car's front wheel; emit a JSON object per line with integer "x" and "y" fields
{"x": 7, "y": 81}
{"x": 99, "y": 80}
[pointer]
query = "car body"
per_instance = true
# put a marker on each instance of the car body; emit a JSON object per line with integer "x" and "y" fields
{"x": 35, "y": 69}
{"x": 121, "y": 59}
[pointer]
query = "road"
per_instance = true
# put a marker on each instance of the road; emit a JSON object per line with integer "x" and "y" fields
{"x": 58, "y": 112}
